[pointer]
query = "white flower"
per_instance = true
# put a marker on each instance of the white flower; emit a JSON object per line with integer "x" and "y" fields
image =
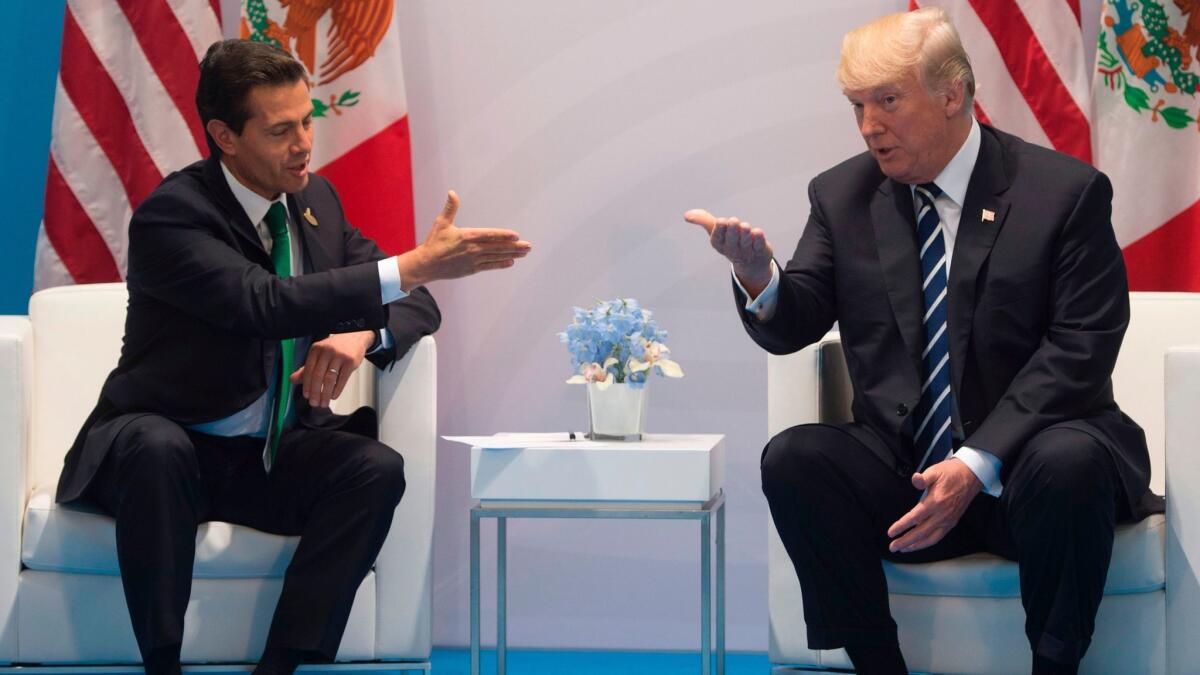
{"x": 594, "y": 373}
{"x": 669, "y": 368}
{"x": 655, "y": 353}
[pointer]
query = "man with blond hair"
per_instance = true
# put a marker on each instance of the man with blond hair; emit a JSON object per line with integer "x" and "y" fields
{"x": 982, "y": 300}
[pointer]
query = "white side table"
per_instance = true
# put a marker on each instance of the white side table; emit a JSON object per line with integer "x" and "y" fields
{"x": 661, "y": 477}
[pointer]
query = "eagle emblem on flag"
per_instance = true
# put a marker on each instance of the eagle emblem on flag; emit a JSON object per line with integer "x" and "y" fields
{"x": 355, "y": 30}
{"x": 1146, "y": 51}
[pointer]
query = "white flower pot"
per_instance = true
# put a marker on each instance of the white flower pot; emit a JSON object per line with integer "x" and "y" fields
{"x": 617, "y": 413}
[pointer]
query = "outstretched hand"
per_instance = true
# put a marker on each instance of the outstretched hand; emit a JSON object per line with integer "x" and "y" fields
{"x": 451, "y": 252}
{"x": 744, "y": 246}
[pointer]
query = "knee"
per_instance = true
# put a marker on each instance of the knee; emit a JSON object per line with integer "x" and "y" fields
{"x": 384, "y": 468}
{"x": 1069, "y": 468}
{"x": 156, "y": 445}
{"x": 792, "y": 456}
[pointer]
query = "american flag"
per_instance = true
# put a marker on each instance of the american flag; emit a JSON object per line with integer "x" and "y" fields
{"x": 124, "y": 117}
{"x": 1031, "y": 74}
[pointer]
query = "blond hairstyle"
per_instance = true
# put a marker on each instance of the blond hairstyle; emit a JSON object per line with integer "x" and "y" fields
{"x": 889, "y": 48}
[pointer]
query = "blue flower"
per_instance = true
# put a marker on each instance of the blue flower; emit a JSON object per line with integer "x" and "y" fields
{"x": 618, "y": 337}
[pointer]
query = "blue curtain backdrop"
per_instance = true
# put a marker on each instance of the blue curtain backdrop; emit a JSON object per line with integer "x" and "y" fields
{"x": 28, "y": 66}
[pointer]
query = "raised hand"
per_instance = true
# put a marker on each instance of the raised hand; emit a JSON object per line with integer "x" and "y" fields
{"x": 744, "y": 246}
{"x": 451, "y": 252}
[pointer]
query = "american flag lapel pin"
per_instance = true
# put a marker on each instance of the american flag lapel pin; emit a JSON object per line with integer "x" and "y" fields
{"x": 988, "y": 216}
{"x": 312, "y": 220}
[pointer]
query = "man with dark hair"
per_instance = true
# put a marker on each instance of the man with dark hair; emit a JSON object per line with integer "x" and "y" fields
{"x": 245, "y": 320}
{"x": 229, "y": 70}
{"x": 981, "y": 299}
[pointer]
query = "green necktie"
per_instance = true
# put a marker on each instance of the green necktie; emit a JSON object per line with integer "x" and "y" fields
{"x": 281, "y": 257}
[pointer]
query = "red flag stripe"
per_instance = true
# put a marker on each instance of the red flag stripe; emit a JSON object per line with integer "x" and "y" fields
{"x": 103, "y": 110}
{"x": 80, "y": 247}
{"x": 1074, "y": 5}
{"x": 169, "y": 51}
{"x": 382, "y": 211}
{"x": 1166, "y": 259}
{"x": 1043, "y": 89}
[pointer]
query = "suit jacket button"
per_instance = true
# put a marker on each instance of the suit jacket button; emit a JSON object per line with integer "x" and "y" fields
{"x": 901, "y": 410}
{"x": 360, "y": 323}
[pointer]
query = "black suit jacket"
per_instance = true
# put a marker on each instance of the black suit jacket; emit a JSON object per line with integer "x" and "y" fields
{"x": 1038, "y": 305}
{"x": 206, "y": 310}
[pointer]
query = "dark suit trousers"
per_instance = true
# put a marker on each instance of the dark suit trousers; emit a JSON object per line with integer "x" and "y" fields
{"x": 832, "y": 502}
{"x": 336, "y": 490}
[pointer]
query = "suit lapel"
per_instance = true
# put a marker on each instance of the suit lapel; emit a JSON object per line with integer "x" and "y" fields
{"x": 976, "y": 234}
{"x": 316, "y": 257}
{"x": 896, "y": 236}
{"x": 240, "y": 223}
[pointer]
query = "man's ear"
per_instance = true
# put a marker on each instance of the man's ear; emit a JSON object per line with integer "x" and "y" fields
{"x": 223, "y": 136}
{"x": 955, "y": 95}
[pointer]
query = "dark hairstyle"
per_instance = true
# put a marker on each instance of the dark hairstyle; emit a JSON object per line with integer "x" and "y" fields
{"x": 230, "y": 69}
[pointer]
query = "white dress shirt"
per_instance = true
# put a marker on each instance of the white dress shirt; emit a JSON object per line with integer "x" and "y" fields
{"x": 953, "y": 181}
{"x": 255, "y": 419}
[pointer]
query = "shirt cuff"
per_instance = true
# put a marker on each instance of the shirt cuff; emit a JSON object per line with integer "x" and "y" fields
{"x": 383, "y": 341}
{"x": 985, "y": 466}
{"x": 389, "y": 281}
{"x": 762, "y": 307}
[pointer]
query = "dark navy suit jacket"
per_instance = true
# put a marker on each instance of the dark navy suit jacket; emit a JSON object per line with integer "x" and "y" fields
{"x": 1038, "y": 305}
{"x": 206, "y": 310}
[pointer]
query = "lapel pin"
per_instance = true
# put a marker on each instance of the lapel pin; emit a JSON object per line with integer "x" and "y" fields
{"x": 988, "y": 216}
{"x": 313, "y": 221}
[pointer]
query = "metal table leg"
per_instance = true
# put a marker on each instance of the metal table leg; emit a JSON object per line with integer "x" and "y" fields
{"x": 475, "y": 592}
{"x": 501, "y": 594}
{"x": 721, "y": 589}
{"x": 703, "y": 514}
{"x": 705, "y": 594}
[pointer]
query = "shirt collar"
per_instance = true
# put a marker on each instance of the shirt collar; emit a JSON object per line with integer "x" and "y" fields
{"x": 254, "y": 204}
{"x": 954, "y": 178}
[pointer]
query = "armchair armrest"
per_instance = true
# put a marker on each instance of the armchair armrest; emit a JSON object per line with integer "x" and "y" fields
{"x": 16, "y": 371}
{"x": 406, "y": 399}
{"x": 811, "y": 385}
{"x": 1183, "y": 507}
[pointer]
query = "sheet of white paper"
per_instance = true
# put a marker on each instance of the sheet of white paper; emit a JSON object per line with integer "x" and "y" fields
{"x": 508, "y": 441}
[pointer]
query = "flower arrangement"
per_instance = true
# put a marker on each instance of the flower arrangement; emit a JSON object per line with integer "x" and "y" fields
{"x": 616, "y": 341}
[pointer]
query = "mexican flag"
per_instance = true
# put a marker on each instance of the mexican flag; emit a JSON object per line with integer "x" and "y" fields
{"x": 351, "y": 49}
{"x": 1146, "y": 136}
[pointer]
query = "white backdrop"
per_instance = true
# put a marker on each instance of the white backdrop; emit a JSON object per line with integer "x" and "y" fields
{"x": 590, "y": 127}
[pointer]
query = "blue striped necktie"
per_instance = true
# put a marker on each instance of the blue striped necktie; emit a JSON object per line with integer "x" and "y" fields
{"x": 932, "y": 438}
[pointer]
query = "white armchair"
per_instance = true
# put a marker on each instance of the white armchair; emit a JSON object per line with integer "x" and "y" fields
{"x": 965, "y": 615}
{"x": 61, "y": 599}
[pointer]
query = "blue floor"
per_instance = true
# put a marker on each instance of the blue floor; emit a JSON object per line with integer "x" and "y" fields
{"x": 538, "y": 662}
